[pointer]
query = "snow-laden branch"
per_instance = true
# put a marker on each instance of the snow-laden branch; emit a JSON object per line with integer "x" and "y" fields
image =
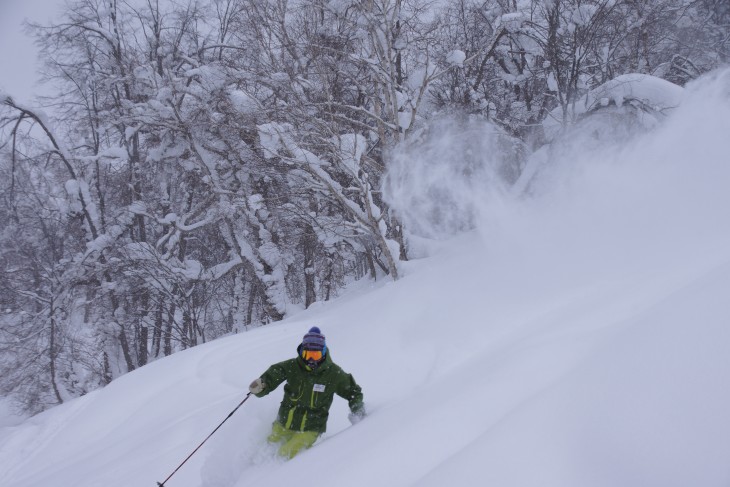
{"x": 87, "y": 206}
{"x": 276, "y": 141}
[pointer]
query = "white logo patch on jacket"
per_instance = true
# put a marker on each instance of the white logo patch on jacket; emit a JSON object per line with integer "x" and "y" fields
{"x": 318, "y": 387}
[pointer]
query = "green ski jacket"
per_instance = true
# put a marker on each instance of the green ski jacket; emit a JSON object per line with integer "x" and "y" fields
{"x": 308, "y": 393}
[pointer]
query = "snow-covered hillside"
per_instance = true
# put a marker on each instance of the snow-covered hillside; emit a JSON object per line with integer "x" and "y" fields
{"x": 578, "y": 338}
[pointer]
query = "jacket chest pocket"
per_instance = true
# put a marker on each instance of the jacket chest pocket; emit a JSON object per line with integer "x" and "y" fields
{"x": 317, "y": 391}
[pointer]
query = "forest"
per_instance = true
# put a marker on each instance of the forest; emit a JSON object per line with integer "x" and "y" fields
{"x": 209, "y": 166}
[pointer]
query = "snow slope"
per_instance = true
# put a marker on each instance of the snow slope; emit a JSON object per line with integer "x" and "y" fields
{"x": 578, "y": 338}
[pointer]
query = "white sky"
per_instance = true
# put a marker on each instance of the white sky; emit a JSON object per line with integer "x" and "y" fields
{"x": 18, "y": 54}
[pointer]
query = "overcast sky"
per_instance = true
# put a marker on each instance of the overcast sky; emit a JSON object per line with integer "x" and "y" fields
{"x": 18, "y": 54}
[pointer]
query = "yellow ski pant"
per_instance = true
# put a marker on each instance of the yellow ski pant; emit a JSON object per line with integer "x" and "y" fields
{"x": 292, "y": 442}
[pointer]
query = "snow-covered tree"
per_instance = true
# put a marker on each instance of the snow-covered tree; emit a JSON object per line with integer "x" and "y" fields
{"x": 213, "y": 165}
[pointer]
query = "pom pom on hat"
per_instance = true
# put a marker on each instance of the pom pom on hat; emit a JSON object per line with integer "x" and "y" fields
{"x": 313, "y": 340}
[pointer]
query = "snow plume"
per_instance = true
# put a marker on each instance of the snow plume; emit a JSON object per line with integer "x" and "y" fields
{"x": 438, "y": 180}
{"x": 607, "y": 207}
{"x": 598, "y": 190}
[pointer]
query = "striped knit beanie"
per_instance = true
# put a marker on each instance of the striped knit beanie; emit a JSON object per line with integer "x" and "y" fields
{"x": 313, "y": 340}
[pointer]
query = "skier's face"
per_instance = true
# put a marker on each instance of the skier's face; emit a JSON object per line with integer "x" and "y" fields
{"x": 312, "y": 358}
{"x": 315, "y": 355}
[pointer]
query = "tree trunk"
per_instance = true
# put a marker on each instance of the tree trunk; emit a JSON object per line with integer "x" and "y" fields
{"x": 124, "y": 344}
{"x": 157, "y": 333}
{"x": 52, "y": 352}
{"x": 309, "y": 242}
{"x": 167, "y": 335}
{"x": 251, "y": 302}
{"x": 107, "y": 372}
{"x": 142, "y": 355}
{"x": 396, "y": 228}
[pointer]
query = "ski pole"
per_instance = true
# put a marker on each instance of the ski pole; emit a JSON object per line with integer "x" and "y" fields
{"x": 162, "y": 484}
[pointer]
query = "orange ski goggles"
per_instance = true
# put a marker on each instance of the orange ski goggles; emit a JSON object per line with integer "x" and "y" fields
{"x": 315, "y": 355}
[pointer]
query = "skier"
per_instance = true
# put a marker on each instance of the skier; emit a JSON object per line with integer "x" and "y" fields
{"x": 312, "y": 379}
